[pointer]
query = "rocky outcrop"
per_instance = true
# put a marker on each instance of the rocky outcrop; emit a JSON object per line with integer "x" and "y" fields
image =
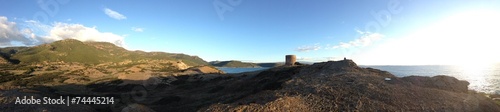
{"x": 202, "y": 70}
{"x": 439, "y": 82}
{"x": 343, "y": 86}
{"x": 331, "y": 67}
{"x": 3, "y": 61}
{"x": 180, "y": 65}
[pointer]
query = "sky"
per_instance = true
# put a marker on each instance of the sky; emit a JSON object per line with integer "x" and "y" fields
{"x": 371, "y": 32}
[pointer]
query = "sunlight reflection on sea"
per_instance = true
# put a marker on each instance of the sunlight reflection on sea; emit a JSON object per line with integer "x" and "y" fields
{"x": 483, "y": 78}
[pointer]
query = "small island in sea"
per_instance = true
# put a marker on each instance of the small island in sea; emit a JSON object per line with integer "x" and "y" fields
{"x": 158, "y": 81}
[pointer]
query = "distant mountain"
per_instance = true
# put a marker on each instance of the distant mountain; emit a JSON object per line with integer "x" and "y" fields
{"x": 71, "y": 50}
{"x": 233, "y": 63}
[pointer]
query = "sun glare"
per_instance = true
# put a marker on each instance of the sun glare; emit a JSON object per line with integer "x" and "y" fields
{"x": 472, "y": 36}
{"x": 464, "y": 38}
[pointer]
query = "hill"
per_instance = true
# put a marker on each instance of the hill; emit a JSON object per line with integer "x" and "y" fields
{"x": 233, "y": 63}
{"x": 6, "y": 54}
{"x": 71, "y": 50}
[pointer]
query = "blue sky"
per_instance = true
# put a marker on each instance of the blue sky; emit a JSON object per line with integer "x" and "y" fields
{"x": 382, "y": 32}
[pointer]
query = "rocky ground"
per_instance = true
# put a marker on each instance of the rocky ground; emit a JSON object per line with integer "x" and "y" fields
{"x": 327, "y": 86}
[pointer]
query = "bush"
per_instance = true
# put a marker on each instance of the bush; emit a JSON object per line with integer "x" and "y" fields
{"x": 7, "y": 76}
{"x": 86, "y": 79}
{"x": 39, "y": 79}
{"x": 30, "y": 70}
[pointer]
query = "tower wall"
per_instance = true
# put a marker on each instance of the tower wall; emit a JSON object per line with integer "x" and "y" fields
{"x": 290, "y": 59}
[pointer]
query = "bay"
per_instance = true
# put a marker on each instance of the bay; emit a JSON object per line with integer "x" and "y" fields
{"x": 240, "y": 70}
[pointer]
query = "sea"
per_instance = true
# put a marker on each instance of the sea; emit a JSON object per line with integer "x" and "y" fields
{"x": 240, "y": 70}
{"x": 482, "y": 78}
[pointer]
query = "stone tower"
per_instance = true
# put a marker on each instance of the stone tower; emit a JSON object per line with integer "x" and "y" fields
{"x": 290, "y": 59}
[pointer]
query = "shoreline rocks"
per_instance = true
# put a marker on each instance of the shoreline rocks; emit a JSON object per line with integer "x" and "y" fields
{"x": 439, "y": 82}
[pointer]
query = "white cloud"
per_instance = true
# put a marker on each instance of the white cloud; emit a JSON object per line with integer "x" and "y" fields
{"x": 303, "y": 58}
{"x": 317, "y": 59}
{"x": 308, "y": 48}
{"x": 366, "y": 39}
{"x": 10, "y": 32}
{"x": 137, "y": 29}
{"x": 62, "y": 31}
{"x": 113, "y": 14}
{"x": 37, "y": 33}
{"x": 359, "y": 31}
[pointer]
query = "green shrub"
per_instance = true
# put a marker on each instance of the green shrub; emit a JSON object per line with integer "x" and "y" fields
{"x": 30, "y": 70}
{"x": 39, "y": 79}
{"x": 86, "y": 79}
{"x": 7, "y": 76}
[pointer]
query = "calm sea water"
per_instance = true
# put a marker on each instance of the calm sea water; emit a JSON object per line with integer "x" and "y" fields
{"x": 240, "y": 70}
{"x": 483, "y": 78}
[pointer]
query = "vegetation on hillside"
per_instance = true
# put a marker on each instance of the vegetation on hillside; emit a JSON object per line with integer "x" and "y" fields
{"x": 71, "y": 50}
{"x": 39, "y": 79}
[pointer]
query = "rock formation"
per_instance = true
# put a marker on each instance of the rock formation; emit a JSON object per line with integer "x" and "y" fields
{"x": 439, "y": 82}
{"x": 202, "y": 70}
{"x": 3, "y": 61}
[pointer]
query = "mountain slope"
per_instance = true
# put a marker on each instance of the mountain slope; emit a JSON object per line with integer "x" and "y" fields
{"x": 71, "y": 50}
{"x": 6, "y": 54}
